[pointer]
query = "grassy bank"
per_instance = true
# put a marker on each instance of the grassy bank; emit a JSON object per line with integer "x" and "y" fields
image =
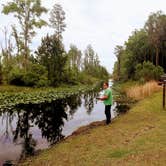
{"x": 135, "y": 138}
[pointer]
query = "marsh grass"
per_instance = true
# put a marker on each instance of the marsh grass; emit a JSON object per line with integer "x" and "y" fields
{"x": 138, "y": 92}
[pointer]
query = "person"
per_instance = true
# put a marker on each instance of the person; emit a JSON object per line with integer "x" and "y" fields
{"x": 107, "y": 100}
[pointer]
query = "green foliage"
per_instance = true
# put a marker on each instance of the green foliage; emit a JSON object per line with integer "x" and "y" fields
{"x": 51, "y": 54}
{"x": 84, "y": 78}
{"x": 35, "y": 76}
{"x": 8, "y": 100}
{"x": 16, "y": 77}
{"x": 74, "y": 58}
{"x": 158, "y": 71}
{"x": 147, "y": 71}
{"x": 52, "y": 66}
{"x": 30, "y": 78}
{"x": 57, "y": 17}
{"x": 71, "y": 77}
{"x": 155, "y": 28}
{"x": 118, "y": 53}
{"x": 9, "y": 64}
{"x": 28, "y": 14}
{"x": 146, "y": 44}
{"x": 1, "y": 74}
{"x": 92, "y": 65}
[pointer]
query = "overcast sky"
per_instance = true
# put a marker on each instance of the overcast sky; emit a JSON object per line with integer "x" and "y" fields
{"x": 101, "y": 23}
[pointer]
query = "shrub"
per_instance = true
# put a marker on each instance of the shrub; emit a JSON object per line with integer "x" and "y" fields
{"x": 147, "y": 71}
{"x": 30, "y": 78}
{"x": 16, "y": 77}
{"x": 43, "y": 81}
{"x": 36, "y": 75}
{"x": 1, "y": 76}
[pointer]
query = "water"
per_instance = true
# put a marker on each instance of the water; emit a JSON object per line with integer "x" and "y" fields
{"x": 28, "y": 128}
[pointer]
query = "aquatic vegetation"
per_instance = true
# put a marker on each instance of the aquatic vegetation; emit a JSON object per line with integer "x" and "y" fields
{"x": 9, "y": 99}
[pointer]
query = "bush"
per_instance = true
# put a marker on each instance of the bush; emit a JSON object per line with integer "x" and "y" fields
{"x": 70, "y": 77}
{"x": 84, "y": 78}
{"x": 35, "y": 76}
{"x": 30, "y": 78}
{"x": 16, "y": 77}
{"x": 158, "y": 71}
{"x": 1, "y": 76}
{"x": 43, "y": 81}
{"x": 147, "y": 71}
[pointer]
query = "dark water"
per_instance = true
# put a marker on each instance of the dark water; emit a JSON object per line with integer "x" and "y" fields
{"x": 28, "y": 128}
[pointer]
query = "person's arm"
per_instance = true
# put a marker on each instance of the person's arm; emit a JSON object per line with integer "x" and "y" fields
{"x": 103, "y": 98}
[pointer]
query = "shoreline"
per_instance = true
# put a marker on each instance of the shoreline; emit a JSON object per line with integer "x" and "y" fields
{"x": 132, "y": 139}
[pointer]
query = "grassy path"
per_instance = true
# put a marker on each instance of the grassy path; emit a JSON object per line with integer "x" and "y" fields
{"x": 137, "y": 138}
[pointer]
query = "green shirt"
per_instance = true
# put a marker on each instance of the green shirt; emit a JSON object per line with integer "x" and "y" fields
{"x": 108, "y": 92}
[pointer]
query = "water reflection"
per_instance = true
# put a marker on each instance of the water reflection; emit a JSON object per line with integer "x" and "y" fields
{"x": 6, "y": 135}
{"x": 49, "y": 118}
{"x": 89, "y": 100}
{"x": 73, "y": 103}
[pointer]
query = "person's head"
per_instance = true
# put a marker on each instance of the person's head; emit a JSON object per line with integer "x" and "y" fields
{"x": 105, "y": 85}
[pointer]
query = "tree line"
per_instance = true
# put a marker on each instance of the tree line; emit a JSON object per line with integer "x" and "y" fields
{"x": 50, "y": 64}
{"x": 143, "y": 56}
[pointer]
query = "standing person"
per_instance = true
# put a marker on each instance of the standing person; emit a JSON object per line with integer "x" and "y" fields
{"x": 107, "y": 99}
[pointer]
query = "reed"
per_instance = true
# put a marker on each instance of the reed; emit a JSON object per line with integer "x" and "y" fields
{"x": 138, "y": 92}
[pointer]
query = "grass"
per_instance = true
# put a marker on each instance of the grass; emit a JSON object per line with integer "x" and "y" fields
{"x": 136, "y": 138}
{"x": 138, "y": 92}
{"x": 119, "y": 153}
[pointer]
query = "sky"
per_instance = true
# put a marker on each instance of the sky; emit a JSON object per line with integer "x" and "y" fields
{"x": 101, "y": 23}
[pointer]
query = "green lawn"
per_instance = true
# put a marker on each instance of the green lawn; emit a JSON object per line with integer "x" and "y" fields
{"x": 137, "y": 138}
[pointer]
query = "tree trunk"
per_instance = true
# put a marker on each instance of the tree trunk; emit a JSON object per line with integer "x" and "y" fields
{"x": 119, "y": 69}
{"x": 157, "y": 56}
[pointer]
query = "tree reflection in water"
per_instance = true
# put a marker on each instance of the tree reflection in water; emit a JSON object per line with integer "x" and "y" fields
{"x": 73, "y": 102}
{"x": 48, "y": 117}
{"x": 89, "y": 100}
{"x": 7, "y": 117}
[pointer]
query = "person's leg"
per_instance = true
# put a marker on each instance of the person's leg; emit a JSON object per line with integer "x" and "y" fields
{"x": 108, "y": 113}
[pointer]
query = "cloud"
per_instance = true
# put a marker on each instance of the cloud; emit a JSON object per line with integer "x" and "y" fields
{"x": 102, "y": 23}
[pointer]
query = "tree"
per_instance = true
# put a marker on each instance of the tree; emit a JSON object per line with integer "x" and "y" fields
{"x": 57, "y": 17}
{"x": 96, "y": 60}
{"x": 155, "y": 27}
{"x": 147, "y": 71}
{"x": 28, "y": 13}
{"x": 7, "y": 59}
{"x": 92, "y": 65}
{"x": 136, "y": 50}
{"x": 74, "y": 55}
{"x": 146, "y": 44}
{"x": 51, "y": 54}
{"x": 0, "y": 71}
{"x": 89, "y": 59}
{"x": 118, "y": 53}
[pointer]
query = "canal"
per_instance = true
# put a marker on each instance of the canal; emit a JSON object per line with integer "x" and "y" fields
{"x": 33, "y": 127}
